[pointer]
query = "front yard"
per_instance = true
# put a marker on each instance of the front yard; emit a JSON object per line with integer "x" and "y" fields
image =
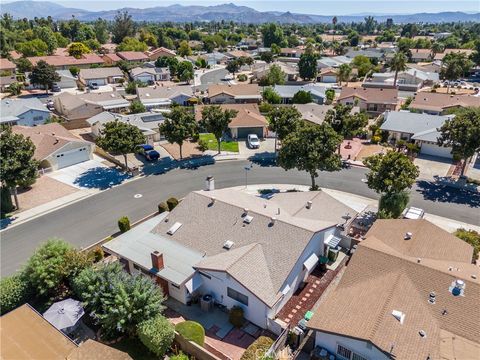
{"x": 230, "y": 146}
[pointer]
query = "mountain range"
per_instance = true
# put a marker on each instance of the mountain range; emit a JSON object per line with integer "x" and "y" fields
{"x": 226, "y": 12}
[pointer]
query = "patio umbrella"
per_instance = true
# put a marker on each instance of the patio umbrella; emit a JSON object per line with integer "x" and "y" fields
{"x": 64, "y": 314}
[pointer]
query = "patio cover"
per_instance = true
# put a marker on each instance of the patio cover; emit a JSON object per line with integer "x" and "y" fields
{"x": 332, "y": 241}
{"x": 311, "y": 262}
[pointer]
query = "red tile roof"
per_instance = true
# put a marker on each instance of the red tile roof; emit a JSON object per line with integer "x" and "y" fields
{"x": 6, "y": 64}
{"x": 59, "y": 60}
{"x": 132, "y": 55}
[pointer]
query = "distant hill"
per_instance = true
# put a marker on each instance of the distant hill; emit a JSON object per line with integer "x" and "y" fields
{"x": 226, "y": 12}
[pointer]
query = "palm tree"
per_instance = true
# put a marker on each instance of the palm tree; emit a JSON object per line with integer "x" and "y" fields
{"x": 436, "y": 48}
{"x": 334, "y": 22}
{"x": 398, "y": 63}
{"x": 344, "y": 72}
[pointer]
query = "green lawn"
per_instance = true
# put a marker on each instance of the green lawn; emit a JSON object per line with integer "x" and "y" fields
{"x": 231, "y": 146}
{"x": 192, "y": 331}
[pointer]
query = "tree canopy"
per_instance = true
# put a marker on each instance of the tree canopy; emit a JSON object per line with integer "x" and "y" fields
{"x": 179, "y": 126}
{"x": 307, "y": 66}
{"x": 44, "y": 74}
{"x": 215, "y": 120}
{"x": 344, "y": 122}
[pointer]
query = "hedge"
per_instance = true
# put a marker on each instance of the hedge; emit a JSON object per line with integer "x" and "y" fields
{"x": 124, "y": 224}
{"x": 257, "y": 349}
{"x": 156, "y": 334}
{"x": 191, "y": 331}
{"x": 14, "y": 292}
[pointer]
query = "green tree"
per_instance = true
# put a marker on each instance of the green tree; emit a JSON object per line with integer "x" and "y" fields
{"x": 275, "y": 75}
{"x": 46, "y": 34}
{"x": 14, "y": 291}
{"x": 23, "y": 65}
{"x": 307, "y": 66}
{"x": 137, "y": 107}
{"x": 283, "y": 121}
{"x": 74, "y": 70}
{"x": 311, "y": 148}
{"x": 120, "y": 138}
{"x": 353, "y": 38}
{"x": 15, "y": 88}
{"x": 184, "y": 71}
{"x": 362, "y": 64}
{"x": 184, "y": 49}
{"x": 397, "y": 64}
{"x": 344, "y": 122}
{"x": 116, "y": 300}
{"x": 132, "y": 44}
{"x": 92, "y": 44}
{"x": 77, "y": 49}
{"x": 233, "y": 66}
{"x": 35, "y": 47}
{"x": 471, "y": 237}
{"x": 370, "y": 24}
{"x": 272, "y": 34}
{"x": 157, "y": 334}
{"x": 343, "y": 73}
{"x": 215, "y": 120}
{"x": 302, "y": 97}
{"x": 122, "y": 27}
{"x": 179, "y": 126}
{"x": 462, "y": 134}
{"x": 436, "y": 48}
{"x": 100, "y": 27}
{"x": 330, "y": 95}
{"x": 124, "y": 224}
{"x": 17, "y": 165}
{"x": 271, "y": 96}
{"x": 390, "y": 173}
{"x": 455, "y": 65}
{"x": 44, "y": 74}
{"x": 148, "y": 38}
{"x": 266, "y": 56}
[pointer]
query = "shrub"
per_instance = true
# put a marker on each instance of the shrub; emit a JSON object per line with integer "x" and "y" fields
{"x": 376, "y": 139}
{"x": 242, "y": 77}
{"x": 257, "y": 349}
{"x": 156, "y": 334}
{"x": 14, "y": 291}
{"x": 393, "y": 204}
{"x": 74, "y": 70}
{"x": 172, "y": 203}
{"x": 471, "y": 237}
{"x": 98, "y": 254}
{"x": 236, "y": 316}
{"x": 124, "y": 224}
{"x": 192, "y": 331}
{"x": 179, "y": 356}
{"x": 202, "y": 145}
{"x": 162, "y": 207}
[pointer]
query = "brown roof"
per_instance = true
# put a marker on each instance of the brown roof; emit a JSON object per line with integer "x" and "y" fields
{"x": 113, "y": 57}
{"x": 234, "y": 90}
{"x": 47, "y": 138}
{"x": 132, "y": 55}
{"x": 59, "y": 60}
{"x": 6, "y": 64}
{"x": 370, "y": 95}
{"x": 25, "y": 334}
{"x": 15, "y": 55}
{"x": 389, "y": 273}
{"x": 93, "y": 350}
{"x": 248, "y": 115}
{"x": 238, "y": 53}
{"x": 161, "y": 50}
{"x": 440, "y": 56}
{"x": 440, "y": 101}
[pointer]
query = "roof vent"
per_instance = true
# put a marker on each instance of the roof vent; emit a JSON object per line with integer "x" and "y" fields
{"x": 112, "y": 95}
{"x": 474, "y": 276}
{"x": 457, "y": 288}
{"x": 147, "y": 94}
{"x": 432, "y": 298}
{"x": 174, "y": 228}
{"x": 408, "y": 235}
{"x": 213, "y": 200}
{"x": 245, "y": 211}
{"x": 228, "y": 244}
{"x": 309, "y": 204}
{"x": 444, "y": 312}
{"x": 419, "y": 260}
{"x": 422, "y": 333}
{"x": 400, "y": 316}
{"x": 272, "y": 220}
{"x": 248, "y": 219}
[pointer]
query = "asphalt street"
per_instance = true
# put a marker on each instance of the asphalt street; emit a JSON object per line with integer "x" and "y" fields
{"x": 86, "y": 222}
{"x": 212, "y": 77}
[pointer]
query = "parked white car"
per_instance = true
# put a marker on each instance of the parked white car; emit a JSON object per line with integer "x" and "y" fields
{"x": 253, "y": 141}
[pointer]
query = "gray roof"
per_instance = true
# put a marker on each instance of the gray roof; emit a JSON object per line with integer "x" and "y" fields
{"x": 138, "y": 70}
{"x": 288, "y": 91}
{"x": 162, "y": 93}
{"x": 144, "y": 121}
{"x": 100, "y": 73}
{"x": 316, "y": 113}
{"x": 414, "y": 123}
{"x": 272, "y": 250}
{"x": 138, "y": 243}
{"x": 11, "y": 108}
{"x": 334, "y": 61}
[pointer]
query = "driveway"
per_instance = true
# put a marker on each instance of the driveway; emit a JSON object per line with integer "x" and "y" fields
{"x": 266, "y": 146}
{"x": 473, "y": 170}
{"x": 431, "y": 166}
{"x": 92, "y": 174}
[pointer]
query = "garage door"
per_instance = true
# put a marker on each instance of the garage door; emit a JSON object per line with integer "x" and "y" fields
{"x": 244, "y": 132}
{"x": 97, "y": 81}
{"x": 72, "y": 157}
{"x": 330, "y": 79}
{"x": 435, "y": 150}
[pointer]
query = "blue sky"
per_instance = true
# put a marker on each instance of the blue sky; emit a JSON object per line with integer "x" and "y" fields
{"x": 324, "y": 7}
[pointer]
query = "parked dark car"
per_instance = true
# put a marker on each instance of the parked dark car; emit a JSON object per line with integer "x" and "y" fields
{"x": 149, "y": 152}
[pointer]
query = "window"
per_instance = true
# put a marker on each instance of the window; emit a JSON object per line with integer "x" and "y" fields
{"x": 235, "y": 295}
{"x": 37, "y": 118}
{"x": 344, "y": 352}
{"x": 355, "y": 356}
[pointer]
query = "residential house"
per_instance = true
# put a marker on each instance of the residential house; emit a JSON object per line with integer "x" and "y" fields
{"x": 410, "y": 291}
{"x": 23, "y": 111}
{"x": 374, "y": 101}
{"x": 247, "y": 121}
{"x": 287, "y": 92}
{"x": 67, "y": 81}
{"x": 63, "y": 62}
{"x": 133, "y": 56}
{"x": 327, "y": 75}
{"x": 160, "y": 52}
{"x": 440, "y": 56}
{"x": 419, "y": 128}
{"x": 101, "y": 76}
{"x": 421, "y": 55}
{"x": 188, "y": 254}
{"x": 433, "y": 67}
{"x": 55, "y": 146}
{"x": 150, "y": 74}
{"x": 408, "y": 80}
{"x": 84, "y": 106}
{"x": 147, "y": 122}
{"x": 6, "y": 81}
{"x": 261, "y": 69}
{"x": 371, "y": 53}
{"x": 234, "y": 94}
{"x": 235, "y": 54}
{"x": 158, "y": 97}
{"x": 25, "y": 334}
{"x": 213, "y": 58}
{"x": 332, "y": 62}
{"x": 315, "y": 113}
{"x": 111, "y": 58}
{"x": 15, "y": 55}
{"x": 7, "y": 67}
{"x": 291, "y": 52}
{"x": 438, "y": 103}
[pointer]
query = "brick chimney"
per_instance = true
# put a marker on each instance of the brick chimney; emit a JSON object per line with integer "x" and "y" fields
{"x": 157, "y": 260}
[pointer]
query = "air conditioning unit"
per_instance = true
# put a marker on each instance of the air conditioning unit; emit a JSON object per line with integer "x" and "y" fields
{"x": 228, "y": 244}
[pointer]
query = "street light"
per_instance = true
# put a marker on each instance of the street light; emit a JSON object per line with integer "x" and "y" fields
{"x": 247, "y": 169}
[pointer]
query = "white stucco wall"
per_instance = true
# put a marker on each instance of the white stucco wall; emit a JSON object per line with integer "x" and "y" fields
{"x": 363, "y": 348}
